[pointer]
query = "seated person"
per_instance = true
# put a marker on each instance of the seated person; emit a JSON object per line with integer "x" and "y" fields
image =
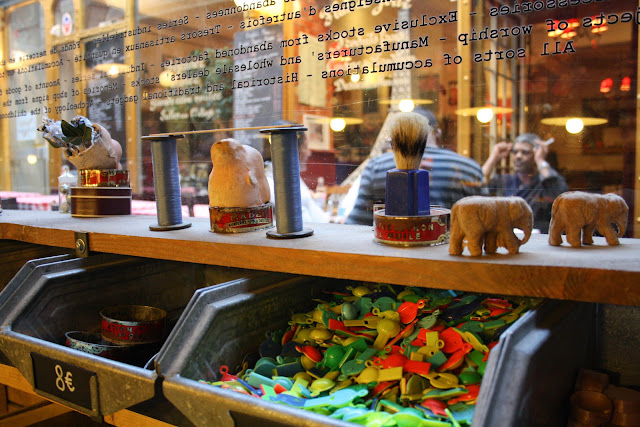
{"x": 451, "y": 177}
{"x": 533, "y": 179}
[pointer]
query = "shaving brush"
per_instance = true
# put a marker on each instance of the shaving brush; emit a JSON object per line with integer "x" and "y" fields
{"x": 409, "y": 134}
{"x": 407, "y": 190}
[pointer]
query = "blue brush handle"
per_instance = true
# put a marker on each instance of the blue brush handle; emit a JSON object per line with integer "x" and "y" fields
{"x": 407, "y": 193}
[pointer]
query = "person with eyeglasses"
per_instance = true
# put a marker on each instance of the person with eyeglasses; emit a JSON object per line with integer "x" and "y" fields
{"x": 533, "y": 178}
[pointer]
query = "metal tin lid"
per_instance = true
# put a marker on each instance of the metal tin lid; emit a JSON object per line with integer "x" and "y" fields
{"x": 104, "y": 178}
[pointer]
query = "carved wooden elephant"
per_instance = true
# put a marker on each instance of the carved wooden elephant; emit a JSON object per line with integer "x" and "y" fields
{"x": 489, "y": 222}
{"x": 576, "y": 212}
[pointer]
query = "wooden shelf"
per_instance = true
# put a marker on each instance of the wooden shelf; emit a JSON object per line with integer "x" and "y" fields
{"x": 597, "y": 273}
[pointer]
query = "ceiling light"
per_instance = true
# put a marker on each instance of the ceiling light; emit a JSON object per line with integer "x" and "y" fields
{"x": 625, "y": 86}
{"x": 337, "y": 124}
{"x": 484, "y": 115}
{"x": 606, "y": 85}
{"x": 473, "y": 111}
{"x": 398, "y": 101}
{"x": 574, "y": 125}
{"x": 406, "y": 105}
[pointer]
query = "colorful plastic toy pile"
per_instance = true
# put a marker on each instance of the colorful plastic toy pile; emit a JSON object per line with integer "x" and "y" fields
{"x": 383, "y": 355}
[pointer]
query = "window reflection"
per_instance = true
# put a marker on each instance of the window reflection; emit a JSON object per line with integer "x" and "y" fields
{"x": 489, "y": 73}
{"x": 26, "y": 26}
{"x": 64, "y": 18}
{"x": 103, "y": 13}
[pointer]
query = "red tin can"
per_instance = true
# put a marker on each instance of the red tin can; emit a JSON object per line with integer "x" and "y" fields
{"x": 240, "y": 220}
{"x": 423, "y": 230}
{"x": 133, "y": 324}
{"x": 104, "y": 178}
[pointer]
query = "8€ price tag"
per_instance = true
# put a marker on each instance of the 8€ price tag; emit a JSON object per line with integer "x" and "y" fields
{"x": 62, "y": 380}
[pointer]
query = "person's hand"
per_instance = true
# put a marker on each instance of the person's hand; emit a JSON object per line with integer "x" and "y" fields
{"x": 540, "y": 152}
{"x": 501, "y": 150}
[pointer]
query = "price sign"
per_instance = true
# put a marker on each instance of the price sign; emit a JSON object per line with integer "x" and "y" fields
{"x": 62, "y": 380}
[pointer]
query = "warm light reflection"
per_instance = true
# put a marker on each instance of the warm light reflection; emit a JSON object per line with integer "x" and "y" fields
{"x": 355, "y": 78}
{"x": 574, "y": 125}
{"x": 606, "y": 85}
{"x": 113, "y": 69}
{"x": 165, "y": 79}
{"x": 562, "y": 121}
{"x": 406, "y": 105}
{"x": 565, "y": 28}
{"x": 473, "y": 111}
{"x": 625, "y": 86}
{"x": 415, "y": 101}
{"x": 337, "y": 124}
{"x": 32, "y": 159}
{"x": 484, "y": 115}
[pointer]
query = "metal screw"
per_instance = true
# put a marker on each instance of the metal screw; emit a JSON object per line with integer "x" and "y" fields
{"x": 81, "y": 245}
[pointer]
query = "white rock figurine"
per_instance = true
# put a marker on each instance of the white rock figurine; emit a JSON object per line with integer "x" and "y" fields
{"x": 238, "y": 178}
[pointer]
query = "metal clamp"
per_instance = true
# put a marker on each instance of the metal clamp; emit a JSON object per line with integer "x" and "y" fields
{"x": 82, "y": 244}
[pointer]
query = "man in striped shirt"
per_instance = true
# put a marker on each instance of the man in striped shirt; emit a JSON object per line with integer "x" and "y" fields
{"x": 451, "y": 177}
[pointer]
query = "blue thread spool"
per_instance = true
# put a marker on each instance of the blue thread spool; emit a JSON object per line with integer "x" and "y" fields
{"x": 166, "y": 182}
{"x": 286, "y": 178}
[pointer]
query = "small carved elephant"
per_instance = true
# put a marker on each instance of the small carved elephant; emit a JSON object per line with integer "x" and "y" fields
{"x": 574, "y": 212}
{"x": 489, "y": 222}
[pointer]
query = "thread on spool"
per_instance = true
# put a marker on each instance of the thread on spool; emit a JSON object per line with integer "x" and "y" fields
{"x": 286, "y": 178}
{"x": 166, "y": 181}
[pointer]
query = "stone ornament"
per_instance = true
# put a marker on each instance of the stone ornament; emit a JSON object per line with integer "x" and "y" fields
{"x": 85, "y": 144}
{"x": 238, "y": 178}
{"x": 578, "y": 214}
{"x": 489, "y": 222}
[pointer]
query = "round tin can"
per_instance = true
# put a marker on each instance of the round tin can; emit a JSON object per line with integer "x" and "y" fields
{"x": 133, "y": 324}
{"x": 100, "y": 201}
{"x": 104, "y": 178}
{"x": 93, "y": 343}
{"x": 423, "y": 230}
{"x": 240, "y": 220}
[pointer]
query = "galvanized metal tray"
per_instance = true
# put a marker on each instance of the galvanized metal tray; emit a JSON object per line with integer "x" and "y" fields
{"x": 68, "y": 295}
{"x": 220, "y": 331}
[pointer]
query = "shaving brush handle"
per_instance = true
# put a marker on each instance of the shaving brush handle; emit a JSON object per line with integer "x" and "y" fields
{"x": 407, "y": 192}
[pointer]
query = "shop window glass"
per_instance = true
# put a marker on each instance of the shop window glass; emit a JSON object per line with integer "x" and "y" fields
{"x": 101, "y": 13}
{"x": 488, "y": 70}
{"x": 27, "y": 52}
{"x": 64, "y": 18}
{"x": 26, "y": 30}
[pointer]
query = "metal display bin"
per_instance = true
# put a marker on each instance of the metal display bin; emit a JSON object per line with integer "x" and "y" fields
{"x": 531, "y": 372}
{"x": 35, "y": 266}
{"x": 68, "y": 295}
{"x": 556, "y": 337}
{"x": 41, "y": 264}
{"x": 14, "y": 255}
